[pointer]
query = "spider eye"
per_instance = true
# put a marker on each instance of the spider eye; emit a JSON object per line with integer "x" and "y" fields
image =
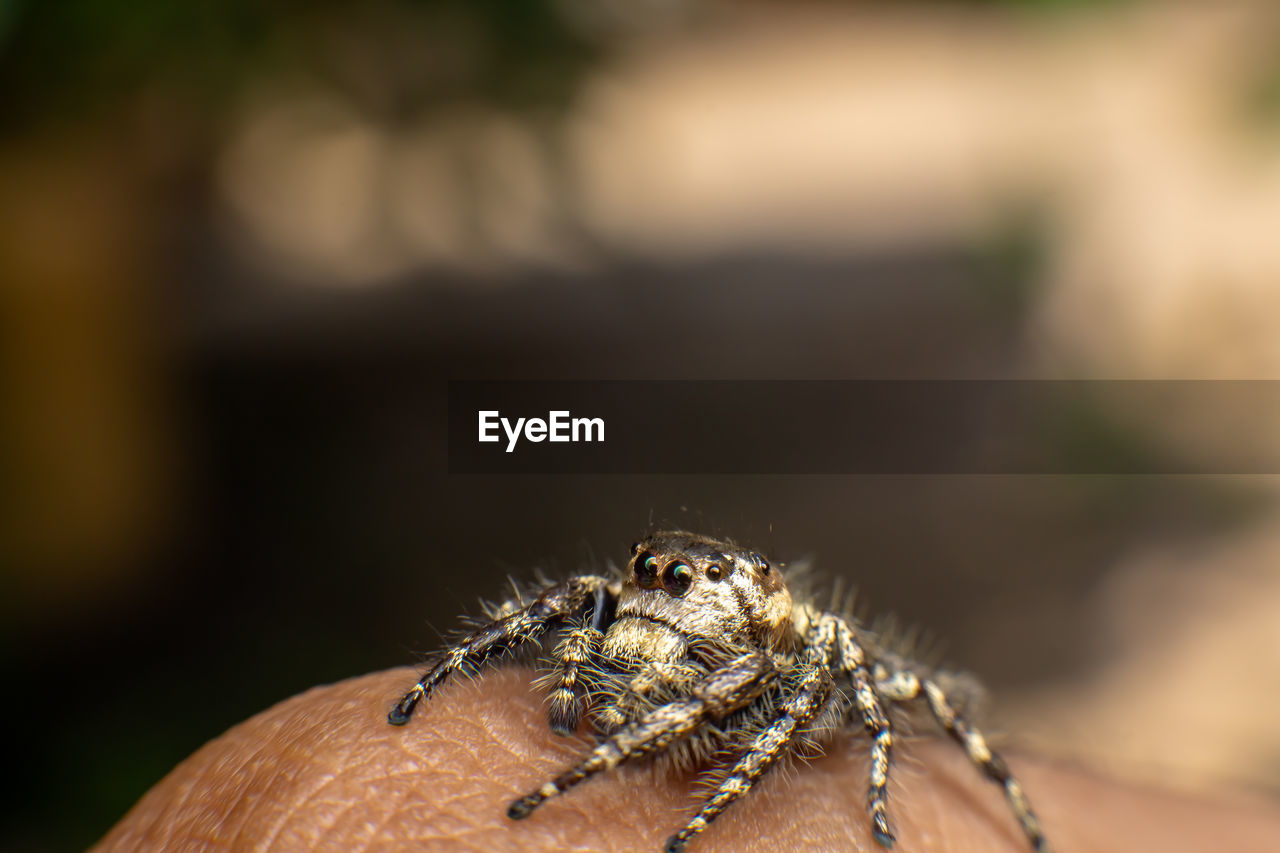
{"x": 647, "y": 571}
{"x": 714, "y": 572}
{"x": 764, "y": 564}
{"x": 676, "y": 579}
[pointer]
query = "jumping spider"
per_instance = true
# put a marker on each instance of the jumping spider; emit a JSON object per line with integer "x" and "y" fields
{"x": 698, "y": 653}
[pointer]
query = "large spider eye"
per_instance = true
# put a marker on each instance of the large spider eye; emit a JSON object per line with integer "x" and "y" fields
{"x": 714, "y": 572}
{"x": 647, "y": 571}
{"x": 676, "y": 579}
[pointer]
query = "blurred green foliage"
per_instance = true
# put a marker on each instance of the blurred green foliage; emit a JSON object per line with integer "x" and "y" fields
{"x": 84, "y": 56}
{"x": 63, "y": 59}
{"x": 1264, "y": 96}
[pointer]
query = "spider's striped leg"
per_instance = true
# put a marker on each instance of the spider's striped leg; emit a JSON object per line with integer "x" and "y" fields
{"x": 722, "y": 692}
{"x": 896, "y": 686}
{"x": 577, "y": 648}
{"x": 876, "y": 722}
{"x": 801, "y": 707}
{"x": 833, "y": 640}
{"x": 552, "y": 606}
{"x": 975, "y": 745}
{"x": 676, "y": 678}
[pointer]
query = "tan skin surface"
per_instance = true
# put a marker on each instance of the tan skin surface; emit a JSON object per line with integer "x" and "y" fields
{"x": 325, "y": 771}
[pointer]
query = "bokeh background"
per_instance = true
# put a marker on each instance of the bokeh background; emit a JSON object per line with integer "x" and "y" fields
{"x": 244, "y": 244}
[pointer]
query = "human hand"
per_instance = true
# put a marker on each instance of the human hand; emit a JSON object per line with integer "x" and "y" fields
{"x": 324, "y": 771}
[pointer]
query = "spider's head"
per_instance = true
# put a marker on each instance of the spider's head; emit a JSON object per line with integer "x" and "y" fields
{"x": 706, "y": 588}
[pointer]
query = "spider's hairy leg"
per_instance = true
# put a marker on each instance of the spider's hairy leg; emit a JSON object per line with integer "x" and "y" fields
{"x": 896, "y": 685}
{"x": 800, "y": 708}
{"x": 833, "y": 641}
{"x": 975, "y": 745}
{"x": 876, "y": 722}
{"x": 577, "y": 648}
{"x": 551, "y": 607}
{"x": 722, "y": 692}
{"x": 637, "y": 695}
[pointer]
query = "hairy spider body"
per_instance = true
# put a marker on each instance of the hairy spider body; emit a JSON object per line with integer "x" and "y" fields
{"x": 697, "y": 654}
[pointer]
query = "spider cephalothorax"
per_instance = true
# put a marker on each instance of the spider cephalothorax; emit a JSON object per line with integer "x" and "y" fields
{"x": 702, "y": 589}
{"x": 696, "y": 652}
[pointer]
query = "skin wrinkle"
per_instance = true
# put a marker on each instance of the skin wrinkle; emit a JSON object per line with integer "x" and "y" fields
{"x": 277, "y": 826}
{"x": 354, "y": 834}
{"x": 311, "y": 811}
{"x": 292, "y": 734}
{"x": 443, "y": 782}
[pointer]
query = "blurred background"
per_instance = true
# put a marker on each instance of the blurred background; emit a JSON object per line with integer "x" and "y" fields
{"x": 243, "y": 245}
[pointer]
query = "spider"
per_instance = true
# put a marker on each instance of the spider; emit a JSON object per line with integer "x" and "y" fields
{"x": 697, "y": 653}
